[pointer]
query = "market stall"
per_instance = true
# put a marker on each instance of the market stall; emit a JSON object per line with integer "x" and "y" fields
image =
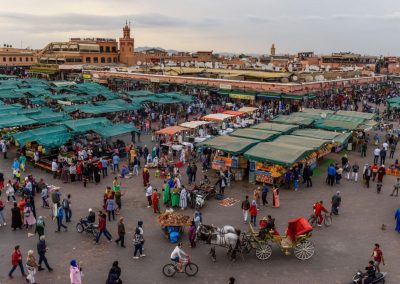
{"x": 297, "y": 120}
{"x": 222, "y": 123}
{"x": 198, "y": 130}
{"x": 278, "y": 127}
{"x": 256, "y": 134}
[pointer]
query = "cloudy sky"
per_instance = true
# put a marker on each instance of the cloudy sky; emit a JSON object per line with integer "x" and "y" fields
{"x": 323, "y": 26}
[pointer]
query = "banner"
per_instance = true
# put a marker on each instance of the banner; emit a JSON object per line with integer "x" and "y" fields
{"x": 242, "y": 97}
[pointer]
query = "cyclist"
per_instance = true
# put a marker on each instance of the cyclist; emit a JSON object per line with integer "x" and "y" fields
{"x": 318, "y": 209}
{"x": 179, "y": 256}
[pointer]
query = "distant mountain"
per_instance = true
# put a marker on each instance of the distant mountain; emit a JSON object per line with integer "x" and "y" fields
{"x": 144, "y": 48}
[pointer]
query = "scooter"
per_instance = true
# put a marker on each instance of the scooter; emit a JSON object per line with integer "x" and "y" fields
{"x": 359, "y": 276}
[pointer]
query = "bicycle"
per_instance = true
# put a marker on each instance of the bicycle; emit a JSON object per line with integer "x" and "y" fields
{"x": 313, "y": 220}
{"x": 189, "y": 268}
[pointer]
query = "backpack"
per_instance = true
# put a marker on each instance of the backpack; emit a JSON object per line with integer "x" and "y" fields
{"x": 65, "y": 203}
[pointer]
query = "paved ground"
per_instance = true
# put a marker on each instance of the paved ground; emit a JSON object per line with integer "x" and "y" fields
{"x": 340, "y": 250}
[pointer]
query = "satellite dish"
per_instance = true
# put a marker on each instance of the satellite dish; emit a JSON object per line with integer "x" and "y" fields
{"x": 323, "y": 115}
{"x": 139, "y": 63}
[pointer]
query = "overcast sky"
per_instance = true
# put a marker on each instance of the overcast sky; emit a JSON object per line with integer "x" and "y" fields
{"x": 251, "y": 26}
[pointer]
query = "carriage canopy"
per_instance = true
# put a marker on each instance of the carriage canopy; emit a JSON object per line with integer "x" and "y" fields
{"x": 297, "y": 227}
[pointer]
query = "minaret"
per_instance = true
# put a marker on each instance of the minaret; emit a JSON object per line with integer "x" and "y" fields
{"x": 272, "y": 53}
{"x": 126, "y": 46}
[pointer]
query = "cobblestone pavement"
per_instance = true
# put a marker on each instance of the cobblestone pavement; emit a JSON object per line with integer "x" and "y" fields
{"x": 340, "y": 249}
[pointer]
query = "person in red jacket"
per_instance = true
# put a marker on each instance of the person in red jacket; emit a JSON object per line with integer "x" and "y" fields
{"x": 102, "y": 228}
{"x": 253, "y": 213}
{"x": 318, "y": 209}
{"x": 16, "y": 260}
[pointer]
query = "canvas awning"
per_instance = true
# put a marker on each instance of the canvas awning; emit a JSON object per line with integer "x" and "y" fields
{"x": 234, "y": 112}
{"x": 248, "y": 109}
{"x": 217, "y": 117}
{"x": 284, "y": 128}
{"x": 88, "y": 124}
{"x": 194, "y": 124}
{"x": 256, "y": 134}
{"x": 52, "y": 136}
{"x": 316, "y": 133}
{"x": 229, "y": 144}
{"x": 364, "y": 115}
{"x": 171, "y": 130}
{"x": 306, "y": 142}
{"x": 115, "y": 130}
{"x": 288, "y": 119}
{"x": 15, "y": 121}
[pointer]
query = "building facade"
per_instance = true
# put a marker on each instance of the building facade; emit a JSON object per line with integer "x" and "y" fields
{"x": 16, "y": 57}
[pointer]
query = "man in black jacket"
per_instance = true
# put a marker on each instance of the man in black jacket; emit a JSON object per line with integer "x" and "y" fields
{"x": 41, "y": 249}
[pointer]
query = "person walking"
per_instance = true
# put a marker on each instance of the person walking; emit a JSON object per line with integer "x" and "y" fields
{"x": 44, "y": 194}
{"x": 110, "y": 208}
{"x": 367, "y": 174}
{"x": 16, "y": 217}
{"x": 115, "y": 160}
{"x": 54, "y": 168}
{"x": 257, "y": 196}
{"x": 377, "y": 152}
{"x": 354, "y": 171}
{"x": 381, "y": 173}
{"x": 16, "y": 260}
{"x": 146, "y": 176}
{"x": 102, "y": 228}
{"x": 347, "y": 170}
{"x": 75, "y": 272}
{"x": 104, "y": 167}
{"x": 183, "y": 196}
{"x": 121, "y": 232}
{"x": 39, "y": 229}
{"x": 10, "y": 191}
{"x": 396, "y": 188}
{"x": 364, "y": 147}
{"x": 245, "y": 208}
{"x": 2, "y": 213}
{"x": 275, "y": 197}
{"x": 155, "y": 201}
{"x": 194, "y": 172}
{"x": 331, "y": 174}
{"x": 192, "y": 235}
{"x": 392, "y": 149}
{"x": 60, "y": 216}
{"x": 29, "y": 218}
{"x": 149, "y": 193}
{"x": 374, "y": 169}
{"x": 377, "y": 256}
{"x": 166, "y": 192}
{"x": 307, "y": 174}
{"x": 114, "y": 274}
{"x": 253, "y": 213}
{"x": 264, "y": 194}
{"x": 118, "y": 201}
{"x": 382, "y": 154}
{"x": 397, "y": 218}
{"x": 189, "y": 173}
{"x": 336, "y": 200}
{"x": 31, "y": 266}
{"x": 66, "y": 204}
{"x": 138, "y": 243}
{"x": 42, "y": 249}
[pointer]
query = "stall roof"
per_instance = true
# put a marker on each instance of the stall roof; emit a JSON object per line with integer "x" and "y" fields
{"x": 364, "y": 115}
{"x": 87, "y": 124}
{"x": 336, "y": 125}
{"x": 342, "y": 138}
{"x": 45, "y": 136}
{"x": 217, "y": 116}
{"x": 354, "y": 119}
{"x": 140, "y": 93}
{"x": 15, "y": 121}
{"x": 248, "y": 109}
{"x": 115, "y": 130}
{"x": 256, "y": 134}
{"x": 284, "y": 128}
{"x": 171, "y": 130}
{"x": 234, "y": 112}
{"x": 194, "y": 124}
{"x": 298, "y": 120}
{"x": 49, "y": 116}
{"x": 277, "y": 153}
{"x": 316, "y": 133}
{"x": 306, "y": 142}
{"x": 230, "y": 144}
{"x": 319, "y": 111}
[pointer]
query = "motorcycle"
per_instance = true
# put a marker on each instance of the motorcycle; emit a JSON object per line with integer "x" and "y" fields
{"x": 359, "y": 276}
{"x": 84, "y": 226}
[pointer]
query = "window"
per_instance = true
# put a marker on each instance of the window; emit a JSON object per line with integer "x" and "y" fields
{"x": 95, "y": 60}
{"x": 115, "y": 59}
{"x": 123, "y": 49}
{"x": 107, "y": 49}
{"x": 10, "y": 59}
{"x": 101, "y": 49}
{"x": 87, "y": 59}
{"x": 20, "y": 59}
{"x": 14, "y": 59}
{"x": 26, "y": 59}
{"x": 114, "y": 49}
{"x": 103, "y": 60}
{"x": 109, "y": 60}
{"x": 4, "y": 59}
{"x": 31, "y": 59}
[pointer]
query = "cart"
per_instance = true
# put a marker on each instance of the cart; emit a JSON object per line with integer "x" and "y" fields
{"x": 172, "y": 225}
{"x": 297, "y": 238}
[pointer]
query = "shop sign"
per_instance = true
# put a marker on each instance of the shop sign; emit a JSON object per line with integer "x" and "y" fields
{"x": 225, "y": 87}
{"x": 154, "y": 80}
{"x": 86, "y": 76}
{"x": 264, "y": 177}
{"x": 242, "y": 97}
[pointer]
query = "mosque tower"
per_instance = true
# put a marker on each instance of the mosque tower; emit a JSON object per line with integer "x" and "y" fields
{"x": 126, "y": 46}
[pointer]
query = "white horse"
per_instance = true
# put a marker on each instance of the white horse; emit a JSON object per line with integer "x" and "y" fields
{"x": 226, "y": 236}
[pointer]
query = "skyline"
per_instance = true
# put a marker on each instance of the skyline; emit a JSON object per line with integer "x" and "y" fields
{"x": 364, "y": 27}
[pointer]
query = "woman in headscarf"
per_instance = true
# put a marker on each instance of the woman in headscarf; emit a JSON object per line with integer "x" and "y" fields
{"x": 183, "y": 198}
{"x": 275, "y": 197}
{"x": 75, "y": 273}
{"x": 16, "y": 219}
{"x": 116, "y": 184}
{"x": 29, "y": 218}
{"x": 146, "y": 176}
{"x": 114, "y": 274}
{"x": 192, "y": 235}
{"x": 166, "y": 192}
{"x": 31, "y": 266}
{"x": 175, "y": 196}
{"x": 154, "y": 201}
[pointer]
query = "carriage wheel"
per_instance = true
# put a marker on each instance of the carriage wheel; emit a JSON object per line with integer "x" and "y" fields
{"x": 263, "y": 251}
{"x": 304, "y": 250}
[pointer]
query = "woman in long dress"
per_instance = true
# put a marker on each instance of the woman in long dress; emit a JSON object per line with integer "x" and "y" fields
{"x": 146, "y": 176}
{"x": 166, "y": 193}
{"x": 29, "y": 219}
{"x": 275, "y": 197}
{"x": 16, "y": 219}
{"x": 175, "y": 197}
{"x": 183, "y": 199}
{"x": 397, "y": 217}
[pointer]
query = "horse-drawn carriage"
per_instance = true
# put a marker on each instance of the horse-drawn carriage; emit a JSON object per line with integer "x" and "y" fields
{"x": 296, "y": 239}
{"x": 172, "y": 225}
